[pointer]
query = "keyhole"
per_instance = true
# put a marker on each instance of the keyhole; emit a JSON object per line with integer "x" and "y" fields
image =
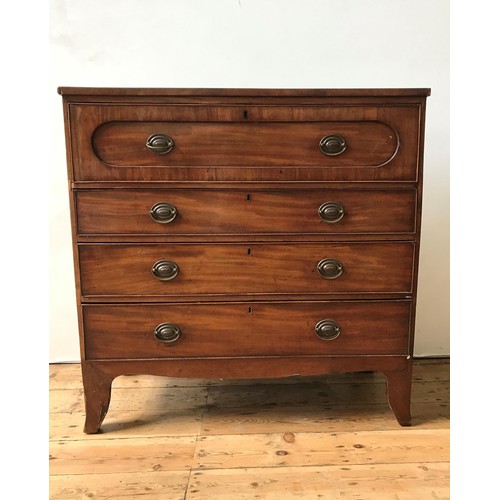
{"x": 249, "y": 251}
{"x": 248, "y": 197}
{"x": 250, "y": 310}
{"x": 245, "y": 115}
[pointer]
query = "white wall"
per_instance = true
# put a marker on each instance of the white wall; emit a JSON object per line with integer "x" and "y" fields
{"x": 260, "y": 43}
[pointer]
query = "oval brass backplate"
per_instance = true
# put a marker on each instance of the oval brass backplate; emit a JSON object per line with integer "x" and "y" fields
{"x": 327, "y": 329}
{"x": 160, "y": 144}
{"x": 167, "y": 333}
{"x": 332, "y": 145}
{"x": 330, "y": 268}
{"x": 163, "y": 212}
{"x": 331, "y": 212}
{"x": 165, "y": 270}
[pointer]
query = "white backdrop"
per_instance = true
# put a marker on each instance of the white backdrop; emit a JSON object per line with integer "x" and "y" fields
{"x": 257, "y": 44}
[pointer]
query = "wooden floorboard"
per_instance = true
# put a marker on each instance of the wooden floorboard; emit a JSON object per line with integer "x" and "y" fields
{"x": 321, "y": 437}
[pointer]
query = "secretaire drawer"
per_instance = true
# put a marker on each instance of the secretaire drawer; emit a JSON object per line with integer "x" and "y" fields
{"x": 176, "y": 142}
{"x": 184, "y": 269}
{"x": 212, "y": 211}
{"x": 246, "y": 329}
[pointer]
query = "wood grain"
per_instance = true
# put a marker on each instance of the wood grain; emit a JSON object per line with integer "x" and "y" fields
{"x": 125, "y": 455}
{"x": 215, "y": 211}
{"x": 105, "y": 93}
{"x": 68, "y": 376}
{"x": 236, "y": 445}
{"x": 369, "y": 482}
{"x": 303, "y": 162}
{"x": 262, "y": 329}
{"x": 255, "y": 153}
{"x": 157, "y": 485}
{"x": 122, "y": 144}
{"x": 314, "y": 449}
{"x": 71, "y": 400}
{"x": 121, "y": 269}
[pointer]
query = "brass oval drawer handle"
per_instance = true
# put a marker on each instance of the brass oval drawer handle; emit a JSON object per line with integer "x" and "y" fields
{"x": 327, "y": 329}
{"x": 167, "y": 333}
{"x": 332, "y": 145}
{"x": 330, "y": 268}
{"x": 160, "y": 144}
{"x": 331, "y": 211}
{"x": 163, "y": 212}
{"x": 165, "y": 270}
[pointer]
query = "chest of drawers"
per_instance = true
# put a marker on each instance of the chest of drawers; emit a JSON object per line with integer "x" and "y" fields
{"x": 245, "y": 233}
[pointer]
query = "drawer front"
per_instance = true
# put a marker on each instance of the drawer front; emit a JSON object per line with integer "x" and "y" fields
{"x": 251, "y": 329}
{"x": 123, "y": 144}
{"x": 186, "y": 269}
{"x": 211, "y": 211}
{"x": 197, "y": 143}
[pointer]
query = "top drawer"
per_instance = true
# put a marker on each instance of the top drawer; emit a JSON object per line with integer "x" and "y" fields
{"x": 164, "y": 142}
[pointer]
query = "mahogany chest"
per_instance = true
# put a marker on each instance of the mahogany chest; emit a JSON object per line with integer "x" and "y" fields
{"x": 245, "y": 233}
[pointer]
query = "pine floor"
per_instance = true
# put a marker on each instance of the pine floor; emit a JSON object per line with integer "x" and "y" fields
{"x": 317, "y": 438}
